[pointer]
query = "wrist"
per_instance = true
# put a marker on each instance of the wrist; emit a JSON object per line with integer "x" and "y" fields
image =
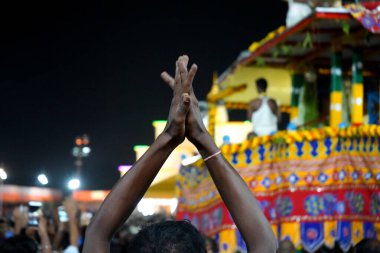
{"x": 168, "y": 140}
{"x": 43, "y": 233}
{"x": 205, "y": 144}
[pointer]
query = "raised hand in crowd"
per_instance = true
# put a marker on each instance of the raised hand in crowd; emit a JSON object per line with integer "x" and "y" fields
{"x": 20, "y": 218}
{"x": 45, "y": 246}
{"x": 129, "y": 190}
{"x": 71, "y": 209}
{"x": 184, "y": 120}
{"x": 244, "y": 208}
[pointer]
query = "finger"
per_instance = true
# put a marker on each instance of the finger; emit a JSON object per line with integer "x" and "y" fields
{"x": 183, "y": 71}
{"x": 185, "y": 59}
{"x": 184, "y": 105}
{"x": 190, "y": 78}
{"x": 177, "y": 77}
{"x": 168, "y": 79}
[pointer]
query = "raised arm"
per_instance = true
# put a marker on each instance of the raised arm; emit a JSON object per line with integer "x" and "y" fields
{"x": 71, "y": 210}
{"x": 244, "y": 208}
{"x": 128, "y": 191}
{"x": 44, "y": 237}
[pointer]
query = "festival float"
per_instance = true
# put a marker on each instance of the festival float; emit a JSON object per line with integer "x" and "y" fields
{"x": 318, "y": 179}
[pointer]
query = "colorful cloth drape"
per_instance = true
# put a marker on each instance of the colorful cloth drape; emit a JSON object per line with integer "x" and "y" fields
{"x": 370, "y": 19}
{"x": 313, "y": 190}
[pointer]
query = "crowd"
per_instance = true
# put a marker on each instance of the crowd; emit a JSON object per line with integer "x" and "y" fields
{"x": 46, "y": 228}
{"x": 55, "y": 233}
{"x": 56, "y": 230}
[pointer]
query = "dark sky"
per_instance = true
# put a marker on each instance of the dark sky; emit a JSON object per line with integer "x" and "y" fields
{"x": 68, "y": 68}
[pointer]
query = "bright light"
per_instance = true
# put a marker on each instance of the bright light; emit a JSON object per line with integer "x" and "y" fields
{"x": 124, "y": 169}
{"x": 73, "y": 184}
{"x": 190, "y": 160}
{"x": 42, "y": 178}
{"x": 3, "y": 174}
{"x": 86, "y": 150}
{"x": 149, "y": 206}
{"x": 35, "y": 203}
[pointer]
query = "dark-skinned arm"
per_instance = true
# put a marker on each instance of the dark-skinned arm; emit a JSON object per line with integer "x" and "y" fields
{"x": 244, "y": 208}
{"x": 253, "y": 106}
{"x": 44, "y": 237}
{"x": 275, "y": 109}
{"x": 129, "y": 190}
{"x": 249, "y": 111}
{"x": 71, "y": 211}
{"x": 125, "y": 195}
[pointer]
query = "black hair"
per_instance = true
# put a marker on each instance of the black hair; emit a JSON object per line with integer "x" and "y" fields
{"x": 168, "y": 237}
{"x": 368, "y": 246}
{"x": 19, "y": 244}
{"x": 286, "y": 246}
{"x": 262, "y": 84}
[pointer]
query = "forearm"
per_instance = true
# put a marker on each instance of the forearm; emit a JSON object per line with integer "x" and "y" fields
{"x": 18, "y": 227}
{"x": 125, "y": 195}
{"x": 239, "y": 200}
{"x": 74, "y": 231}
{"x": 45, "y": 243}
{"x": 57, "y": 239}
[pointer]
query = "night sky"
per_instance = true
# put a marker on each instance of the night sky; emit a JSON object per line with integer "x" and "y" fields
{"x": 69, "y": 68}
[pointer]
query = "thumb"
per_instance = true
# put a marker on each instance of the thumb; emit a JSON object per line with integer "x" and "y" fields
{"x": 184, "y": 105}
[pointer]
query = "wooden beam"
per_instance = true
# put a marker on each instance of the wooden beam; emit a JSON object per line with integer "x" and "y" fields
{"x": 339, "y": 40}
{"x": 225, "y": 93}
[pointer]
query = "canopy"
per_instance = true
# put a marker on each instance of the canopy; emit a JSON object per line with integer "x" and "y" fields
{"x": 312, "y": 40}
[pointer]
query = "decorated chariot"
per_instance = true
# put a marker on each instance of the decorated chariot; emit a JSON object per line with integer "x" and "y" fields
{"x": 317, "y": 180}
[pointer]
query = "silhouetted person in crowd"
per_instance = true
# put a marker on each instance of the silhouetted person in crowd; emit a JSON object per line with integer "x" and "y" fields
{"x": 286, "y": 246}
{"x": 368, "y": 246}
{"x": 211, "y": 245}
{"x": 19, "y": 244}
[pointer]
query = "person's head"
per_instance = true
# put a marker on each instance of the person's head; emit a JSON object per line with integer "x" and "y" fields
{"x": 261, "y": 85}
{"x": 286, "y": 246}
{"x": 368, "y": 246}
{"x": 211, "y": 245}
{"x": 19, "y": 244}
{"x": 3, "y": 226}
{"x": 170, "y": 237}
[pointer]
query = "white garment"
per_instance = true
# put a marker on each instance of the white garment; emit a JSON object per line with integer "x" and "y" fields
{"x": 297, "y": 12}
{"x": 71, "y": 249}
{"x": 264, "y": 120}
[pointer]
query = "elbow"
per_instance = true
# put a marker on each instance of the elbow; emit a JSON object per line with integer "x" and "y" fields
{"x": 272, "y": 244}
{"x": 269, "y": 247}
{"x": 267, "y": 244}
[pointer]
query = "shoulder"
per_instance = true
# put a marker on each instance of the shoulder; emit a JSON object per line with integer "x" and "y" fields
{"x": 255, "y": 104}
{"x": 255, "y": 101}
{"x": 272, "y": 101}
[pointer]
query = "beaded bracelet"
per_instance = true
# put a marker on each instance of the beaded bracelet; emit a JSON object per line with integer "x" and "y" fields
{"x": 211, "y": 156}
